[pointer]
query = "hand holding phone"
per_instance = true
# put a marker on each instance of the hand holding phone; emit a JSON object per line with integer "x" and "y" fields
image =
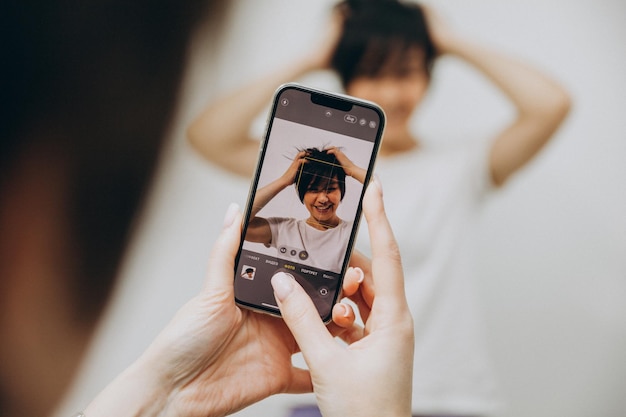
{"x": 211, "y": 347}
{"x": 304, "y": 205}
{"x": 371, "y": 376}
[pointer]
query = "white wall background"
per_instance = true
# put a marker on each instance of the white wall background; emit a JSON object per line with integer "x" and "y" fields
{"x": 553, "y": 245}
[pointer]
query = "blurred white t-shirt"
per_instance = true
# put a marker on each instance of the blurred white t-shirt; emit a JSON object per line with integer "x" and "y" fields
{"x": 433, "y": 197}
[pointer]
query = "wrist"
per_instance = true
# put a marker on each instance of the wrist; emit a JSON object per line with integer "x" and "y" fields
{"x": 136, "y": 392}
{"x": 448, "y": 45}
{"x": 456, "y": 46}
{"x": 284, "y": 182}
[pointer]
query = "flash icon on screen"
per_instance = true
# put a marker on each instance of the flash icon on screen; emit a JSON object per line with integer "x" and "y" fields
{"x": 372, "y": 124}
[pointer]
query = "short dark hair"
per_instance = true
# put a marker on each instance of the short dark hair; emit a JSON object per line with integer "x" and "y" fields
{"x": 375, "y": 31}
{"x": 320, "y": 168}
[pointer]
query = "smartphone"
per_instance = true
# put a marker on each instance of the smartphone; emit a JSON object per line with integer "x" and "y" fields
{"x": 304, "y": 205}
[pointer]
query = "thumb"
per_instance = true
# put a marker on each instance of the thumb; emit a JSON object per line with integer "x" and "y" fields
{"x": 301, "y": 317}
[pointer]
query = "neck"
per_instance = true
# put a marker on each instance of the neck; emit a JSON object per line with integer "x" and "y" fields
{"x": 331, "y": 224}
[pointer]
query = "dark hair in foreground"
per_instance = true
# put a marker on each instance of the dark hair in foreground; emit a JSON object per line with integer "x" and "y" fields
{"x": 320, "y": 168}
{"x": 376, "y": 35}
{"x": 91, "y": 86}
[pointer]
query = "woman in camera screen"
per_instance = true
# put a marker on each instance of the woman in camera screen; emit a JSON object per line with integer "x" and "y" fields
{"x": 319, "y": 240}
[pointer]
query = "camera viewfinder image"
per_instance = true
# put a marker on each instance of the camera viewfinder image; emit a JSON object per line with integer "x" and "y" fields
{"x": 248, "y": 272}
{"x": 303, "y": 208}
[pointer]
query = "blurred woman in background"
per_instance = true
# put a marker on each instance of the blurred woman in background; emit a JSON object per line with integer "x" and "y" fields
{"x": 384, "y": 51}
{"x": 92, "y": 88}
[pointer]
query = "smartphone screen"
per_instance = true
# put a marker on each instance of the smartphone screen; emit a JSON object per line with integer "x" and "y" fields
{"x": 304, "y": 205}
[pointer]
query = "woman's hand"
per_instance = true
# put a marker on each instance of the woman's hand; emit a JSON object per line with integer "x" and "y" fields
{"x": 348, "y": 166}
{"x": 214, "y": 358}
{"x": 442, "y": 35}
{"x": 372, "y": 375}
{"x": 293, "y": 170}
{"x": 266, "y": 193}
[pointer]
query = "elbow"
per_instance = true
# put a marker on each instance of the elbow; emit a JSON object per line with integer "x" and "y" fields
{"x": 193, "y": 136}
{"x": 557, "y": 105}
{"x": 562, "y": 105}
{"x": 197, "y": 139}
{"x": 549, "y": 110}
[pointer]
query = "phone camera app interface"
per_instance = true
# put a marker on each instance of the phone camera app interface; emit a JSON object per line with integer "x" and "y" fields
{"x": 306, "y": 200}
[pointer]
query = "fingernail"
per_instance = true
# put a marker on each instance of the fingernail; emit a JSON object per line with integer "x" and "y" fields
{"x": 361, "y": 274}
{"x": 283, "y": 285}
{"x": 231, "y": 213}
{"x": 346, "y": 310}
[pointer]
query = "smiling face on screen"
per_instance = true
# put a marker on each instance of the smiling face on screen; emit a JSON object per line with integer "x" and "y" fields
{"x": 321, "y": 186}
{"x": 322, "y": 201}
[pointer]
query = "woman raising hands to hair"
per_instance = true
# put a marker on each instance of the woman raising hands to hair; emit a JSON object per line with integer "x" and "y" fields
{"x": 385, "y": 51}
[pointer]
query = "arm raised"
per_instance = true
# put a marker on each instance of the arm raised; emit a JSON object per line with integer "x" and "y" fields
{"x": 220, "y": 133}
{"x": 541, "y": 103}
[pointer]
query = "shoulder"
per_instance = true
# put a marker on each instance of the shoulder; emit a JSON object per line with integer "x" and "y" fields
{"x": 283, "y": 221}
{"x": 344, "y": 226}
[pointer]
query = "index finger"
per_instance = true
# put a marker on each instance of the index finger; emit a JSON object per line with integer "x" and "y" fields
{"x": 302, "y": 318}
{"x": 386, "y": 263}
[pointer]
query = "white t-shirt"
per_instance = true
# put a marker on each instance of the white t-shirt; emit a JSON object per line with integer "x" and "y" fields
{"x": 325, "y": 248}
{"x": 432, "y": 198}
